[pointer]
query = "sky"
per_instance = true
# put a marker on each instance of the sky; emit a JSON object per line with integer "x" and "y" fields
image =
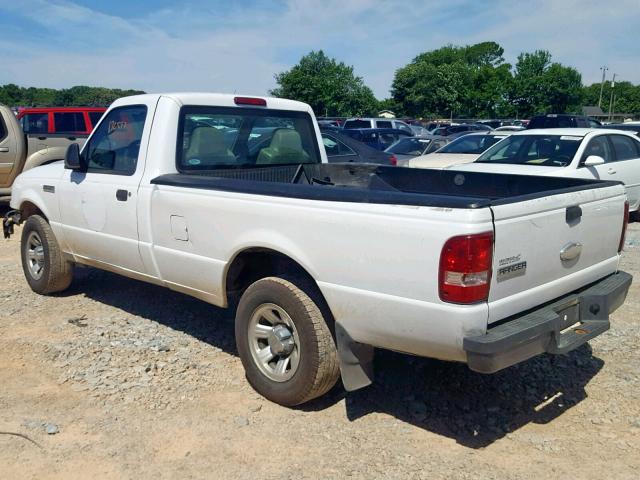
{"x": 237, "y": 46}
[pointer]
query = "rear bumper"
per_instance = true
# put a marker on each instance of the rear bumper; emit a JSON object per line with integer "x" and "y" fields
{"x": 557, "y": 327}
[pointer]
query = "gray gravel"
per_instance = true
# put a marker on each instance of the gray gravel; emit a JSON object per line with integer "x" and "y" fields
{"x": 132, "y": 380}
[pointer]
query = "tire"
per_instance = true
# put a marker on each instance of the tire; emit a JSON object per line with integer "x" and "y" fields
{"x": 43, "y": 262}
{"x": 283, "y": 306}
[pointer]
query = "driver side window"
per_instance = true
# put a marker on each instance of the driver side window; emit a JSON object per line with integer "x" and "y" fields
{"x": 598, "y": 146}
{"x": 115, "y": 145}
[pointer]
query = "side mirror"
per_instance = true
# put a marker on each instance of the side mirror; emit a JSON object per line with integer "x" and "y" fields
{"x": 72, "y": 159}
{"x": 593, "y": 160}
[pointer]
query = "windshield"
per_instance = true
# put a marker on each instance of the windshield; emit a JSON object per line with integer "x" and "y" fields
{"x": 544, "y": 150}
{"x": 471, "y": 144}
{"x": 410, "y": 146}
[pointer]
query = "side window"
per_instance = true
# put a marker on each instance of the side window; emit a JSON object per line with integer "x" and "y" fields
{"x": 404, "y": 128}
{"x": 331, "y": 146}
{"x": 115, "y": 144}
{"x": 35, "y": 123}
{"x": 69, "y": 122}
{"x": 95, "y": 117}
{"x": 3, "y": 130}
{"x": 335, "y": 147}
{"x": 598, "y": 146}
{"x": 387, "y": 139}
{"x": 624, "y": 147}
{"x": 383, "y": 124}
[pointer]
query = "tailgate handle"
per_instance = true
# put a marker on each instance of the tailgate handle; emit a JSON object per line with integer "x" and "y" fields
{"x": 574, "y": 214}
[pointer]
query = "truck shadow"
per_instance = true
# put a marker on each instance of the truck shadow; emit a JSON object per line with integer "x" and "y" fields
{"x": 442, "y": 397}
{"x": 473, "y": 409}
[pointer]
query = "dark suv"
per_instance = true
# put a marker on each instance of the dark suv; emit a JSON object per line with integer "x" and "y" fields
{"x": 562, "y": 120}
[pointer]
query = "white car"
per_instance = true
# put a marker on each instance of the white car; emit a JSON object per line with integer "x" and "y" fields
{"x": 464, "y": 149}
{"x": 306, "y": 252}
{"x": 509, "y": 128}
{"x": 568, "y": 152}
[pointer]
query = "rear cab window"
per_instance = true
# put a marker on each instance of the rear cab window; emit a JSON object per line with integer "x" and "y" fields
{"x": 357, "y": 124}
{"x": 211, "y": 138}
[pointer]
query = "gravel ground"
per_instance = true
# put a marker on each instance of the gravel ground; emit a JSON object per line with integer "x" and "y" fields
{"x": 120, "y": 379}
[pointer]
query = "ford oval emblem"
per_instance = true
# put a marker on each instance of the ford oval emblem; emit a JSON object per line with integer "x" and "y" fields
{"x": 570, "y": 251}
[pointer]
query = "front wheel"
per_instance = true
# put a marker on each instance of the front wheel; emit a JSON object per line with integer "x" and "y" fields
{"x": 43, "y": 262}
{"x": 285, "y": 345}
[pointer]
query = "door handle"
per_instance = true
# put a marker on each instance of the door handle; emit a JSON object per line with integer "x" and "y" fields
{"x": 122, "y": 195}
{"x": 611, "y": 171}
{"x": 4, "y": 149}
{"x": 42, "y": 138}
{"x": 71, "y": 138}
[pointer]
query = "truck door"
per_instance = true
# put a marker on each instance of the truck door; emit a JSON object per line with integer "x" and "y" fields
{"x": 11, "y": 147}
{"x": 99, "y": 207}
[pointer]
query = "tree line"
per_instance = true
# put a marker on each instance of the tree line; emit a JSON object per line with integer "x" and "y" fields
{"x": 13, "y": 95}
{"x": 471, "y": 81}
{"x": 459, "y": 81}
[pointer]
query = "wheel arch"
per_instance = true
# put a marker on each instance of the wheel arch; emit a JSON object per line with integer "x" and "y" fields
{"x": 253, "y": 263}
{"x": 28, "y": 208}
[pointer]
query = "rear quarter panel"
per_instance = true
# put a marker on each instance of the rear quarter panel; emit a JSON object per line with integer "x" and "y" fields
{"x": 377, "y": 265}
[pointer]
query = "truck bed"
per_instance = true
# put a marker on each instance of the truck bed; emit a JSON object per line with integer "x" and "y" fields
{"x": 380, "y": 184}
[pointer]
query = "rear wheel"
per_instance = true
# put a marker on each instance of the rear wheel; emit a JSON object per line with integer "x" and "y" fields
{"x": 43, "y": 262}
{"x": 285, "y": 345}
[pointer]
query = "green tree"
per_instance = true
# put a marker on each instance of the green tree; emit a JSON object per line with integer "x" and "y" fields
{"x": 452, "y": 80}
{"x": 627, "y": 97}
{"x": 14, "y": 95}
{"x": 541, "y": 86}
{"x": 330, "y": 87}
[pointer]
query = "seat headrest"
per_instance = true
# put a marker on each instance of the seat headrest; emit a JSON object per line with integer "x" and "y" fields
{"x": 286, "y": 138}
{"x": 207, "y": 141}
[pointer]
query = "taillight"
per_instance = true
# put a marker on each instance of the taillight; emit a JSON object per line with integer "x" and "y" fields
{"x": 625, "y": 222}
{"x": 260, "y": 102}
{"x": 465, "y": 268}
{"x": 394, "y": 160}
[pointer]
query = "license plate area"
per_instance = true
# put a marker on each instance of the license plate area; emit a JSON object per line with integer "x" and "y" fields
{"x": 569, "y": 316}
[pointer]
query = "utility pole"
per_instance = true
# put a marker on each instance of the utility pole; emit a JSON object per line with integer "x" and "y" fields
{"x": 613, "y": 84}
{"x": 615, "y": 97}
{"x": 604, "y": 71}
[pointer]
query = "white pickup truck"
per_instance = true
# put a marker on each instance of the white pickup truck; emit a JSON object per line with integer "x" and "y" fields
{"x": 230, "y": 200}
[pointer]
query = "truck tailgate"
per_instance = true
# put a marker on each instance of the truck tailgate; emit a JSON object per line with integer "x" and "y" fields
{"x": 550, "y": 246}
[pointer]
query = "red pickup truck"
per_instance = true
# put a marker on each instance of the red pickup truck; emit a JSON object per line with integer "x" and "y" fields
{"x": 59, "y": 119}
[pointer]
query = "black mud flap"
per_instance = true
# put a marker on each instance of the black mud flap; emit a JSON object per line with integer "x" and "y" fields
{"x": 356, "y": 361}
